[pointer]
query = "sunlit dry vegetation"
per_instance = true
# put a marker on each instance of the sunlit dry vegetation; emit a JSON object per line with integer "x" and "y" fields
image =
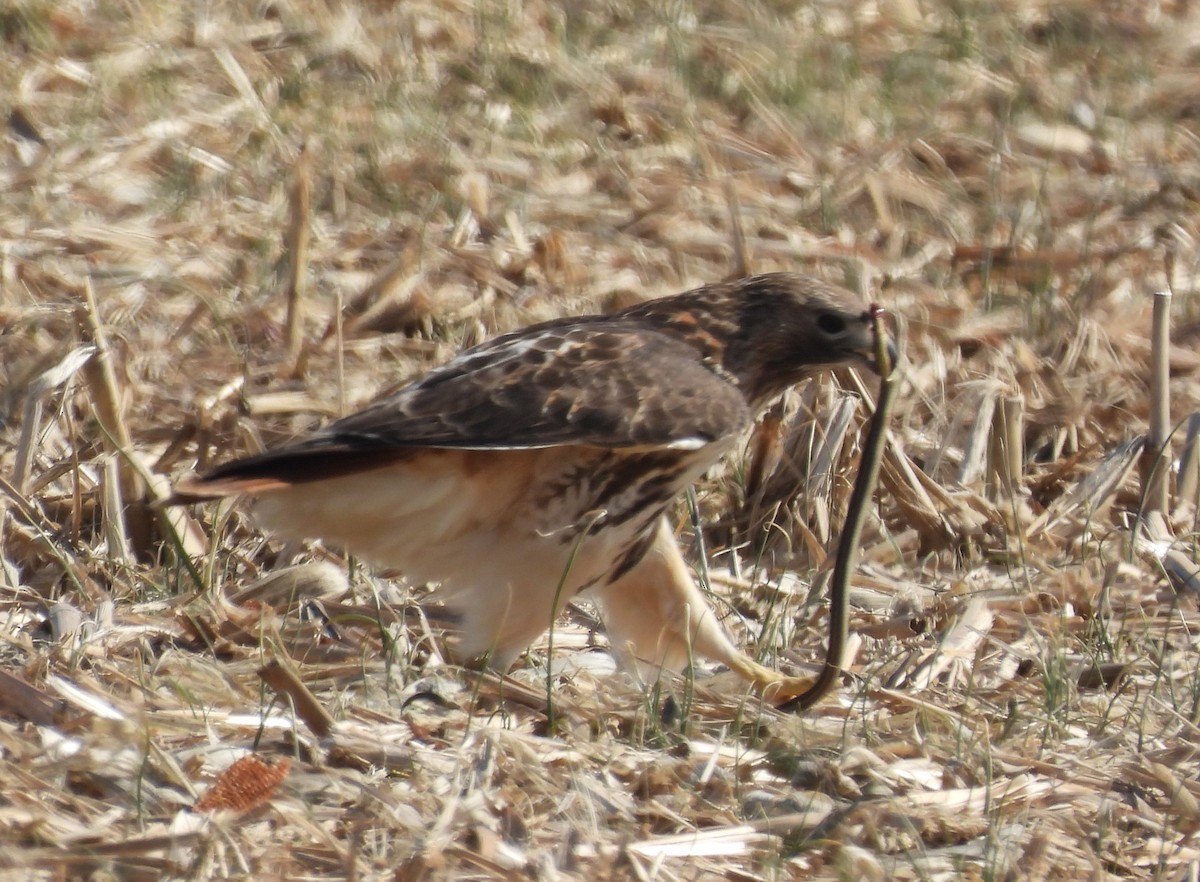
{"x": 223, "y": 223}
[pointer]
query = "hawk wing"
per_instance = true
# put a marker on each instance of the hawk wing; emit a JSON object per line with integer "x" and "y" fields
{"x": 602, "y": 384}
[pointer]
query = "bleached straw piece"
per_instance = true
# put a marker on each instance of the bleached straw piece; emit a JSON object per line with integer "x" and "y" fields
{"x": 1188, "y": 479}
{"x": 1156, "y": 455}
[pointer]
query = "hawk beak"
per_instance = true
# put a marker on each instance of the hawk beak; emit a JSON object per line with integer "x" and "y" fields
{"x": 865, "y": 353}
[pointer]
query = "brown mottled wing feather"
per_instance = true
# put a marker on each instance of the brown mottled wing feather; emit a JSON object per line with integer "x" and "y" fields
{"x": 600, "y": 383}
{"x": 604, "y": 383}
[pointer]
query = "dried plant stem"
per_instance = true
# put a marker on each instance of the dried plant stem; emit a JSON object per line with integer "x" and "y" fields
{"x": 975, "y": 449}
{"x": 299, "y": 209}
{"x": 1006, "y": 450}
{"x": 340, "y": 343}
{"x": 101, "y": 377}
{"x": 30, "y": 424}
{"x": 115, "y": 534}
{"x": 29, "y": 702}
{"x": 308, "y": 708}
{"x": 10, "y": 493}
{"x": 1188, "y": 486}
{"x": 1155, "y": 462}
{"x": 741, "y": 253}
{"x": 856, "y": 515}
{"x": 101, "y": 380}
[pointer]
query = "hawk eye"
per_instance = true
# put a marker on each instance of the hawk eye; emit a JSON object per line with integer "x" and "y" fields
{"x": 831, "y": 324}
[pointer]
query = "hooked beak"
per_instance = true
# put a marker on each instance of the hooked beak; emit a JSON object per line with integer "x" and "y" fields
{"x": 864, "y": 352}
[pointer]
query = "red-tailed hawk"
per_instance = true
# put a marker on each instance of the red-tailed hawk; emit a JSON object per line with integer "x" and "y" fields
{"x": 540, "y": 464}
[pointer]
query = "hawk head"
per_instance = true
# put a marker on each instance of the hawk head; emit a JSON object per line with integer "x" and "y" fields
{"x": 791, "y": 327}
{"x": 770, "y": 331}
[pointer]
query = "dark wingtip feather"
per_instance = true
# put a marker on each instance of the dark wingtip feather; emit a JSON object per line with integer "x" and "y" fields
{"x": 205, "y": 489}
{"x": 279, "y": 469}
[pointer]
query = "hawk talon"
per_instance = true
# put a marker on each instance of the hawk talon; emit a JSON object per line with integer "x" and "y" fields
{"x": 775, "y": 687}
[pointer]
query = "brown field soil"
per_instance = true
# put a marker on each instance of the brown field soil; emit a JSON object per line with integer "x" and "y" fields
{"x": 223, "y": 223}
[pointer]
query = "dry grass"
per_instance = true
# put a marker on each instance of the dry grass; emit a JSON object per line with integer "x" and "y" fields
{"x": 1014, "y": 180}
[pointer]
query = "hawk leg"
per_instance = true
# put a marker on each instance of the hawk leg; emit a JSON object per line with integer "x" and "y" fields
{"x": 658, "y": 618}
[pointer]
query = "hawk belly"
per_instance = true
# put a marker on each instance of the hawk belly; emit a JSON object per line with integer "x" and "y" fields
{"x": 503, "y": 534}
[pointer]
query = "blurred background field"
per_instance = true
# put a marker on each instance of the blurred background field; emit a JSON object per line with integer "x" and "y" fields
{"x": 224, "y": 223}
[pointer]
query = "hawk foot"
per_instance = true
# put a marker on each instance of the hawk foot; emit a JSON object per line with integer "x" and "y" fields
{"x": 775, "y": 687}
